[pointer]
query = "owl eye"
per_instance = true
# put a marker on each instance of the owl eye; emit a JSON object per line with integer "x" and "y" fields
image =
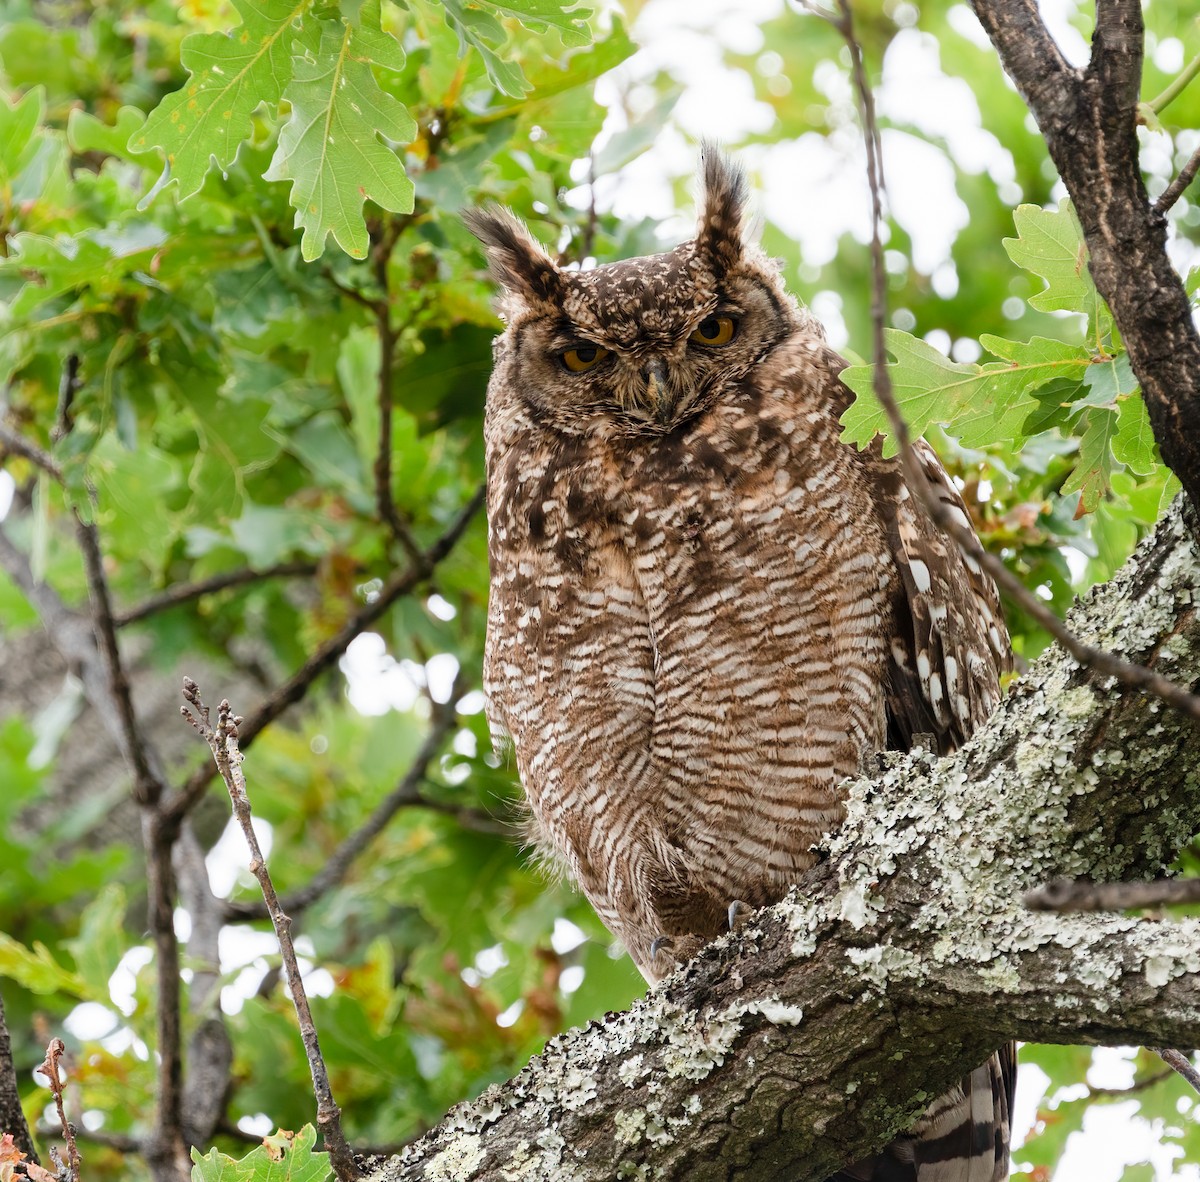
{"x": 582, "y": 358}
{"x": 715, "y": 330}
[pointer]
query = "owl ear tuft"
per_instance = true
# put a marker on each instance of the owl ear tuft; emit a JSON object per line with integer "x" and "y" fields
{"x": 516, "y": 259}
{"x": 722, "y": 209}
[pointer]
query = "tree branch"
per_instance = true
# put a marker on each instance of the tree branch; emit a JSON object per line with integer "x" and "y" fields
{"x": 385, "y": 502}
{"x": 905, "y": 957}
{"x": 186, "y": 592}
{"x": 1179, "y": 185}
{"x": 12, "y": 1115}
{"x": 294, "y": 689}
{"x": 948, "y": 520}
{"x": 1089, "y": 121}
{"x": 223, "y": 742}
{"x": 406, "y": 792}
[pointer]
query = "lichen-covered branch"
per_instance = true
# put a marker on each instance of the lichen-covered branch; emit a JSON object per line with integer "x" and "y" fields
{"x": 906, "y": 956}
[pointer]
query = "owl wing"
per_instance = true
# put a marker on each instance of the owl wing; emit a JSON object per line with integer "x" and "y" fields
{"x": 949, "y": 643}
{"x": 569, "y": 678}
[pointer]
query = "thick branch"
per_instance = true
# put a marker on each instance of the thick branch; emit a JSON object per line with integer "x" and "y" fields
{"x": 12, "y": 1116}
{"x": 1089, "y": 121}
{"x": 906, "y": 956}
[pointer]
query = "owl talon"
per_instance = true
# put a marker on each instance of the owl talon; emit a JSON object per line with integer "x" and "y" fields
{"x": 659, "y": 944}
{"x": 739, "y": 912}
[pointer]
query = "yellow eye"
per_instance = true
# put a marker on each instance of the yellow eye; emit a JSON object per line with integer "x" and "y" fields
{"x": 715, "y": 330}
{"x": 583, "y": 357}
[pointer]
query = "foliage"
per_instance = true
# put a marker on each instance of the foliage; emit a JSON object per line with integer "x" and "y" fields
{"x": 236, "y": 331}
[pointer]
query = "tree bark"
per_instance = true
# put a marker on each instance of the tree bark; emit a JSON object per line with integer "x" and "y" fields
{"x": 810, "y": 1037}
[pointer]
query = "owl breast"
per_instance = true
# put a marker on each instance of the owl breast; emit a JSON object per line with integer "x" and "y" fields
{"x": 698, "y": 645}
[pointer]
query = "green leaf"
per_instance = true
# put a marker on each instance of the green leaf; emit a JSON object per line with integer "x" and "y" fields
{"x": 1050, "y": 244}
{"x": 481, "y": 31}
{"x": 569, "y": 21}
{"x": 102, "y": 940}
{"x": 325, "y": 447}
{"x": 1108, "y": 378}
{"x": 232, "y": 73}
{"x": 282, "y": 1157}
{"x": 330, "y": 149}
{"x": 37, "y": 970}
{"x": 86, "y": 133}
{"x": 977, "y": 403}
{"x": 1134, "y": 444}
{"x": 1094, "y": 466}
{"x": 18, "y": 146}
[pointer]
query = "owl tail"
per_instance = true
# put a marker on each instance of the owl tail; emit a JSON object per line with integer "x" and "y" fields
{"x": 963, "y": 1136}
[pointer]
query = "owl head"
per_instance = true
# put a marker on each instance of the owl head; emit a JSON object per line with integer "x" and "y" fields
{"x": 646, "y": 343}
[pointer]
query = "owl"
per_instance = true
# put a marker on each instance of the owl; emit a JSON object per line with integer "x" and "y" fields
{"x": 706, "y": 610}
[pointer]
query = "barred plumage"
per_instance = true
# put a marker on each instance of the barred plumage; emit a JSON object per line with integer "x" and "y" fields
{"x": 706, "y": 610}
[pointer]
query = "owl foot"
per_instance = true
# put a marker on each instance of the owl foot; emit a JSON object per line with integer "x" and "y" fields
{"x": 739, "y": 913}
{"x": 674, "y": 950}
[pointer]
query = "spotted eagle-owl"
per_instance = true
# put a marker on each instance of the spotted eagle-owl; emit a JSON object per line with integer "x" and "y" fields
{"x": 705, "y": 608}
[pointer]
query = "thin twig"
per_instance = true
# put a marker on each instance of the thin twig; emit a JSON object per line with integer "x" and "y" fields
{"x": 121, "y": 1142}
{"x": 1066, "y": 894}
{"x": 294, "y": 689}
{"x": 1138, "y": 1085}
{"x": 1177, "y": 87}
{"x": 185, "y": 592}
{"x": 353, "y": 293}
{"x": 223, "y": 742}
{"x": 1176, "y": 188}
{"x": 1179, "y": 1062}
{"x": 68, "y": 387}
{"x": 1087, "y": 656}
{"x": 385, "y": 502}
{"x": 148, "y": 787}
{"x": 49, "y": 1069}
{"x": 406, "y": 793}
{"x": 19, "y": 445}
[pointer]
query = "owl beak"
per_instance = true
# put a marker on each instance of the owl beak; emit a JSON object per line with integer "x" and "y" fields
{"x": 655, "y": 373}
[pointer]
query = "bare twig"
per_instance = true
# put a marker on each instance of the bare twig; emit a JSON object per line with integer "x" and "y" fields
{"x": 19, "y": 445}
{"x": 1176, "y": 188}
{"x": 293, "y": 690}
{"x": 1178, "y": 1061}
{"x": 406, "y": 793}
{"x": 1138, "y": 1085}
{"x": 1096, "y": 659}
{"x": 1177, "y": 87}
{"x": 1065, "y": 894}
{"x": 121, "y": 1142}
{"x": 385, "y": 502}
{"x": 68, "y": 387}
{"x": 353, "y": 293}
{"x": 223, "y": 742}
{"x": 185, "y": 592}
{"x": 49, "y": 1069}
{"x": 148, "y": 785}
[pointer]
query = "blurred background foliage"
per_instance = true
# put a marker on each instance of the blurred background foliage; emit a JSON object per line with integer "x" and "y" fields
{"x": 226, "y": 416}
